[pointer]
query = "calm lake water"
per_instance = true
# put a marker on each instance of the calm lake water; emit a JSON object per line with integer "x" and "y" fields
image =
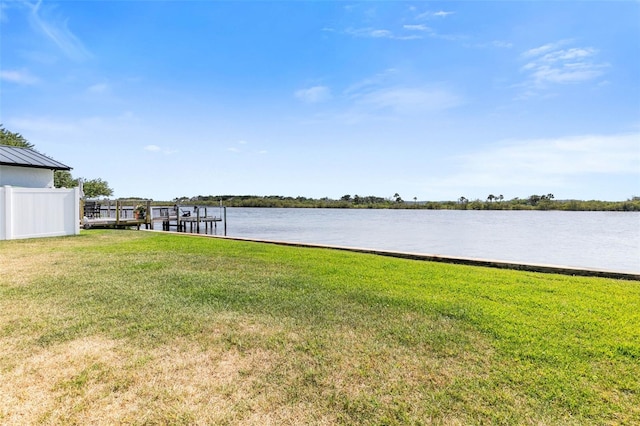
{"x": 601, "y": 240}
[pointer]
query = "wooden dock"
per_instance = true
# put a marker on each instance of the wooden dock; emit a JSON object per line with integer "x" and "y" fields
{"x": 116, "y": 214}
{"x": 180, "y": 218}
{"x": 136, "y": 213}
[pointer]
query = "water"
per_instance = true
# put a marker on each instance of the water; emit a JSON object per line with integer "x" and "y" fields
{"x": 600, "y": 240}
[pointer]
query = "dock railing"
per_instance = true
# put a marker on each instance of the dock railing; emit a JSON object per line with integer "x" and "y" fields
{"x": 127, "y": 213}
{"x": 118, "y": 213}
{"x": 193, "y": 217}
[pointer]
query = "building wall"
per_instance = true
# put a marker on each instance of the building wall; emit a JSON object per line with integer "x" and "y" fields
{"x": 26, "y": 177}
{"x": 38, "y": 212}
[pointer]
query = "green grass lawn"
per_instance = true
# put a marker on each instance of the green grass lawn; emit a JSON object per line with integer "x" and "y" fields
{"x": 148, "y": 328}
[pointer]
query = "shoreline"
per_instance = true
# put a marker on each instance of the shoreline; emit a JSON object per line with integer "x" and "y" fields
{"x": 458, "y": 260}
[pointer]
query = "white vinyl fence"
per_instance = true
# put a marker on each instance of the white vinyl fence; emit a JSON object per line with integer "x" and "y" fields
{"x": 38, "y": 212}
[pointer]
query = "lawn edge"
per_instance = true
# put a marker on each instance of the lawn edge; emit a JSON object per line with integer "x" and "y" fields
{"x": 469, "y": 261}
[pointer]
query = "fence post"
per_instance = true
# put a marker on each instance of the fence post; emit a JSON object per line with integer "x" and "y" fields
{"x": 148, "y": 220}
{"x": 8, "y": 219}
{"x": 81, "y": 208}
{"x": 78, "y": 204}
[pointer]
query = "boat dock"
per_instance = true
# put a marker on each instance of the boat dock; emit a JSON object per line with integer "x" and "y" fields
{"x": 182, "y": 218}
{"x": 137, "y": 213}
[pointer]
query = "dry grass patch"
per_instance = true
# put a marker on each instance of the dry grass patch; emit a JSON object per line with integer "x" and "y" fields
{"x": 100, "y": 381}
{"x": 25, "y": 269}
{"x": 52, "y": 382}
{"x": 189, "y": 384}
{"x": 224, "y": 377}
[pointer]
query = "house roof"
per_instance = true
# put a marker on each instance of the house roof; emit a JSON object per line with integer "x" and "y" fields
{"x": 26, "y": 157}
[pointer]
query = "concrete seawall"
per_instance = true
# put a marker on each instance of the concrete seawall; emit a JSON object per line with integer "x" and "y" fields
{"x": 530, "y": 267}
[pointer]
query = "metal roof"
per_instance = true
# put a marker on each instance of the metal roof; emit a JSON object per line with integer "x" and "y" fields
{"x": 26, "y": 157}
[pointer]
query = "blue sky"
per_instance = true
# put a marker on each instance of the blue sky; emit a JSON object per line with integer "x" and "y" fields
{"x": 433, "y": 100}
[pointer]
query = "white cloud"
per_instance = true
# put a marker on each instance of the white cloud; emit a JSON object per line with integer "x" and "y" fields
{"x": 386, "y": 94}
{"x": 313, "y": 94}
{"x": 431, "y": 14}
{"x": 379, "y": 33}
{"x": 545, "y": 163}
{"x": 409, "y": 99}
{"x": 156, "y": 148}
{"x": 418, "y": 27}
{"x": 56, "y": 30}
{"x": 537, "y": 51}
{"x": 3, "y": 14}
{"x": 554, "y": 64}
{"x": 424, "y": 30}
{"x": 571, "y": 155}
{"x": 368, "y": 32}
{"x": 569, "y": 54}
{"x": 47, "y": 125}
{"x": 501, "y": 44}
{"x": 377, "y": 80}
{"x": 18, "y": 77}
{"x": 98, "y": 88}
{"x": 414, "y": 31}
{"x": 496, "y": 44}
{"x": 238, "y": 146}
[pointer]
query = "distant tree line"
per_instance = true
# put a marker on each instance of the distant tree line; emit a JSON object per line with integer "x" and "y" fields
{"x": 533, "y": 202}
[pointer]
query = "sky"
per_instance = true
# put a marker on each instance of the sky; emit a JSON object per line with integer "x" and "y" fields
{"x": 429, "y": 100}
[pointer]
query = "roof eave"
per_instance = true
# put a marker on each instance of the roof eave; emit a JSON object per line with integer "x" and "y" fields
{"x": 32, "y": 166}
